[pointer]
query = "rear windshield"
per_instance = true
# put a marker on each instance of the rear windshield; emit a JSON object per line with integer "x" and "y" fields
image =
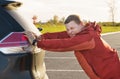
{"x": 8, "y": 24}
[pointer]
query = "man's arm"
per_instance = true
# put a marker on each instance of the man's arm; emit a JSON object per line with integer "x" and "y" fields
{"x": 80, "y": 42}
{"x": 83, "y": 46}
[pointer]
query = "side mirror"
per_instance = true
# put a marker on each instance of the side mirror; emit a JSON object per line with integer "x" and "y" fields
{"x": 40, "y": 29}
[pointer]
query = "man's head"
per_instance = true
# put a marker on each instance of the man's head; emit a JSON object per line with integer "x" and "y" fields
{"x": 73, "y": 25}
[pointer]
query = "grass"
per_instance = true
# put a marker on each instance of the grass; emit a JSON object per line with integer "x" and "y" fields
{"x": 58, "y": 28}
{"x": 52, "y": 28}
{"x": 106, "y": 29}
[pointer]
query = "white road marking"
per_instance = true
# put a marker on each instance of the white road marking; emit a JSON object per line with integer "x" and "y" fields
{"x": 58, "y": 70}
{"x": 110, "y": 33}
{"x": 60, "y": 58}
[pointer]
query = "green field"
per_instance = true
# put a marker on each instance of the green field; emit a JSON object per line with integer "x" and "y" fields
{"x": 57, "y": 28}
{"x": 52, "y": 28}
{"x": 106, "y": 29}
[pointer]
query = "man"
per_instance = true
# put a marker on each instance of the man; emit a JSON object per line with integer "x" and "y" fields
{"x": 96, "y": 57}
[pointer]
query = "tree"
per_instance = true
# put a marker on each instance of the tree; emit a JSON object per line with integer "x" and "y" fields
{"x": 55, "y": 19}
{"x": 111, "y": 5}
{"x": 62, "y": 20}
{"x": 34, "y": 19}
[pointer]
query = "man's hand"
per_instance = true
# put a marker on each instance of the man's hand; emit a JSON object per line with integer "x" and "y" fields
{"x": 31, "y": 36}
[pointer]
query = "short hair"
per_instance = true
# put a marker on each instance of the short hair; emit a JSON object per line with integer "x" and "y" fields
{"x": 74, "y": 18}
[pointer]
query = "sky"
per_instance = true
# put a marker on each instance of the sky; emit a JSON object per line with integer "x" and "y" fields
{"x": 90, "y": 10}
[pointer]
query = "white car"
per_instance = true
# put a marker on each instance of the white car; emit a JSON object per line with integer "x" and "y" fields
{"x": 15, "y": 63}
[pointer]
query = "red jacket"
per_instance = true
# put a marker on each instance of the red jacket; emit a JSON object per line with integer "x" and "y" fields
{"x": 88, "y": 43}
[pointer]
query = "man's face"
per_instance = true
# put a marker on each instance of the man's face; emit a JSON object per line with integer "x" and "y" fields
{"x": 73, "y": 28}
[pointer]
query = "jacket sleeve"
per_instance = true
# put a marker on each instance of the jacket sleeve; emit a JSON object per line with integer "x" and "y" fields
{"x": 79, "y": 42}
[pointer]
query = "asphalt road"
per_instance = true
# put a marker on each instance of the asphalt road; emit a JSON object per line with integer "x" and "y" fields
{"x": 63, "y": 65}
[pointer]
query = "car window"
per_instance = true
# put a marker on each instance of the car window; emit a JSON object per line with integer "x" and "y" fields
{"x": 8, "y": 24}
